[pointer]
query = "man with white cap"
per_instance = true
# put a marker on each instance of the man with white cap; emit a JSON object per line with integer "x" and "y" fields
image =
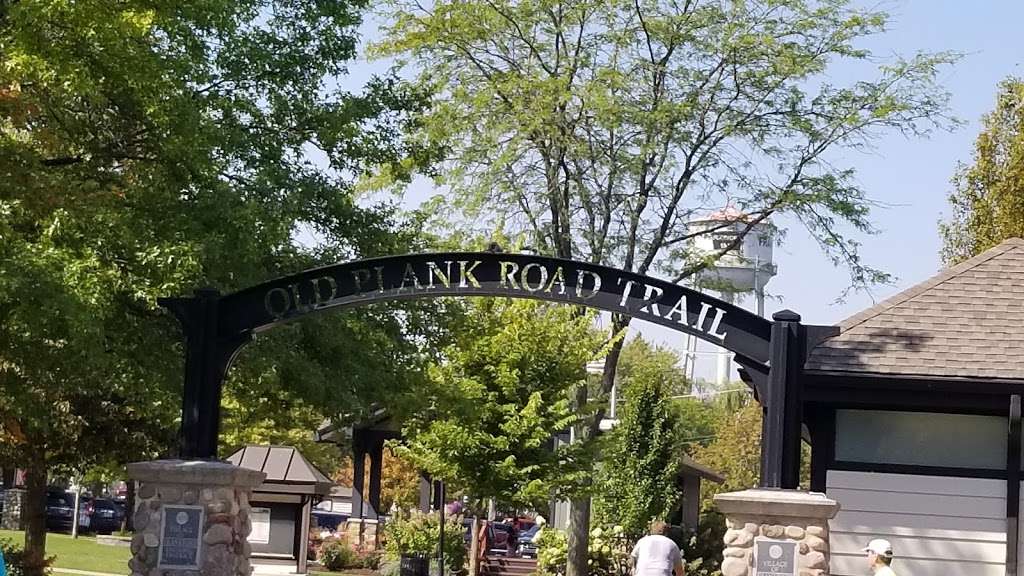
{"x": 880, "y": 557}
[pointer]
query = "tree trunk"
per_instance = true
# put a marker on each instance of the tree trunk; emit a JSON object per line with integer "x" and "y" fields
{"x": 35, "y": 512}
{"x": 129, "y": 506}
{"x": 578, "y": 540}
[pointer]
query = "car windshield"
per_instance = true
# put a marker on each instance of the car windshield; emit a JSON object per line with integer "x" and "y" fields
{"x": 56, "y": 501}
{"x": 104, "y": 504}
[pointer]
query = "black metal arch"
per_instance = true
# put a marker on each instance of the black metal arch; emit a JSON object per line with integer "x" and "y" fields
{"x": 217, "y": 326}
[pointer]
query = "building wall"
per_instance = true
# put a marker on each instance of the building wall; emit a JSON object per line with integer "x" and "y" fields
{"x": 937, "y": 525}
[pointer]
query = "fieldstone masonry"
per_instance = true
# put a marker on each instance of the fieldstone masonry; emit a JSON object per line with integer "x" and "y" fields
{"x": 221, "y": 488}
{"x": 14, "y": 503}
{"x": 779, "y": 514}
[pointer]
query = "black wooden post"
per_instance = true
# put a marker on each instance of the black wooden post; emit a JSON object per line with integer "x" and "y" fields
{"x": 440, "y": 538}
{"x": 358, "y": 478}
{"x": 376, "y": 463}
{"x": 1013, "y": 477}
{"x": 207, "y": 357}
{"x": 781, "y": 428}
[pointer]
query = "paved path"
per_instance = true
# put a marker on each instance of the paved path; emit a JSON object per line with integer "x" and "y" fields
{"x": 82, "y": 572}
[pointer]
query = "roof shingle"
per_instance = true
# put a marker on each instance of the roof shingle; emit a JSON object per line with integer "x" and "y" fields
{"x": 967, "y": 321}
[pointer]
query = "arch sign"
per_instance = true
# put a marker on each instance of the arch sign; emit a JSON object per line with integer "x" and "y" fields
{"x": 217, "y": 326}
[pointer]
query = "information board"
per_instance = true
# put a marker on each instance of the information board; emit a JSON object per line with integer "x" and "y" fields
{"x": 259, "y": 518}
{"x": 775, "y": 557}
{"x": 181, "y": 535}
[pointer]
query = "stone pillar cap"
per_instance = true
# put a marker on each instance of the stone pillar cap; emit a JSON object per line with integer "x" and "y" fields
{"x": 205, "y": 472}
{"x": 777, "y": 502}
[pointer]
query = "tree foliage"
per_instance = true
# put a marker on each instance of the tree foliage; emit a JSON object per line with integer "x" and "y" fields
{"x": 988, "y": 195}
{"x": 499, "y": 397}
{"x": 640, "y": 464}
{"x": 599, "y": 130}
{"x": 149, "y": 148}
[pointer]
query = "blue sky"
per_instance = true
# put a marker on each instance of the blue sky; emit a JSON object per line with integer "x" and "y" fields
{"x": 911, "y": 178}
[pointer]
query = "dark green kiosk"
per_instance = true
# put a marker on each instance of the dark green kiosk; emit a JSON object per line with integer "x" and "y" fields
{"x": 281, "y": 507}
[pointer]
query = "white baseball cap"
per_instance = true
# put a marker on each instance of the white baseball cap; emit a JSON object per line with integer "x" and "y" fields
{"x": 880, "y": 547}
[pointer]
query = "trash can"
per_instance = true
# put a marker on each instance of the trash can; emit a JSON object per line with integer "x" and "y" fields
{"x": 415, "y": 565}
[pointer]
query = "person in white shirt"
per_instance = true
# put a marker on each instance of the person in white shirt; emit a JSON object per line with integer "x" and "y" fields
{"x": 656, "y": 554}
{"x": 880, "y": 557}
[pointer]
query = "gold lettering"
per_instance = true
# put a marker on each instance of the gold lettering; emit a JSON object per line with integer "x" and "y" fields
{"x": 359, "y": 277}
{"x": 434, "y": 271}
{"x": 466, "y": 273}
{"x": 719, "y": 314}
{"x": 704, "y": 307}
{"x": 410, "y": 274}
{"x": 680, "y": 309}
{"x": 318, "y": 296}
{"x": 559, "y": 277}
{"x": 508, "y": 274}
{"x": 652, "y": 294}
{"x": 625, "y": 291}
{"x": 580, "y": 281}
{"x": 524, "y": 277}
{"x": 299, "y": 305}
{"x": 277, "y": 312}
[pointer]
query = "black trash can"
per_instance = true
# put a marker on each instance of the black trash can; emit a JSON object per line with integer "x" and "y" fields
{"x": 415, "y": 565}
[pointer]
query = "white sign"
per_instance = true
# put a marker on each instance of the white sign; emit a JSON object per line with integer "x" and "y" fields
{"x": 259, "y": 518}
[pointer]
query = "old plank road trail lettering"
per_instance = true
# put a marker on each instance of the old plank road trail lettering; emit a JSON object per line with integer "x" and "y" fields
{"x": 216, "y": 326}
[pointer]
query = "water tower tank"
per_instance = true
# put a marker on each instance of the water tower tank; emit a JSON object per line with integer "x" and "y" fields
{"x": 745, "y": 269}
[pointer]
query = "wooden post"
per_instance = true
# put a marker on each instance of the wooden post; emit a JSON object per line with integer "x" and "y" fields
{"x": 1013, "y": 476}
{"x": 307, "y": 510}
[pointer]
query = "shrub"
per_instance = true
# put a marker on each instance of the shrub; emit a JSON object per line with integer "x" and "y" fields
{"x": 417, "y": 533}
{"x": 14, "y": 558}
{"x": 337, "y": 554}
{"x": 608, "y": 552}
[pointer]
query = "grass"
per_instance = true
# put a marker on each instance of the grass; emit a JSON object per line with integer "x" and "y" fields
{"x": 82, "y": 554}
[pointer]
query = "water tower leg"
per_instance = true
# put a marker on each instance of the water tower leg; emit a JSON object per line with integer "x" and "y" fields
{"x": 724, "y": 356}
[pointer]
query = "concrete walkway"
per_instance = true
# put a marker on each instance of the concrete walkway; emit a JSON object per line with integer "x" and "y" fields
{"x": 82, "y": 572}
{"x": 260, "y": 568}
{"x": 269, "y": 567}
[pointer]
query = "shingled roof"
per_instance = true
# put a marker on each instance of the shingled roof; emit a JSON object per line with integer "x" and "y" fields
{"x": 286, "y": 468}
{"x": 967, "y": 321}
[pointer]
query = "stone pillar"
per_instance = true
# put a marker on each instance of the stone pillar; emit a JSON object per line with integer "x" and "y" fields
{"x": 788, "y": 515}
{"x": 216, "y": 492}
{"x": 14, "y": 503}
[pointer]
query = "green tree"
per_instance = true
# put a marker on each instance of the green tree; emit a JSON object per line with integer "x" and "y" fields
{"x": 640, "y": 462}
{"x": 149, "y": 148}
{"x": 598, "y": 130}
{"x": 499, "y": 397}
{"x": 988, "y": 195}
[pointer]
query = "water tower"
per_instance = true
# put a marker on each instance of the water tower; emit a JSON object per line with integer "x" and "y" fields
{"x": 742, "y": 270}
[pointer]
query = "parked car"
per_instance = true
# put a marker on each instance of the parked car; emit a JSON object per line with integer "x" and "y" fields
{"x": 525, "y": 546}
{"x": 105, "y": 516}
{"x": 330, "y": 521}
{"x": 59, "y": 510}
{"x": 501, "y": 537}
{"x": 60, "y": 507}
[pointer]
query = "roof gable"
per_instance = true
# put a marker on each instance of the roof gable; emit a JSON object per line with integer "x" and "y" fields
{"x": 282, "y": 465}
{"x": 967, "y": 321}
